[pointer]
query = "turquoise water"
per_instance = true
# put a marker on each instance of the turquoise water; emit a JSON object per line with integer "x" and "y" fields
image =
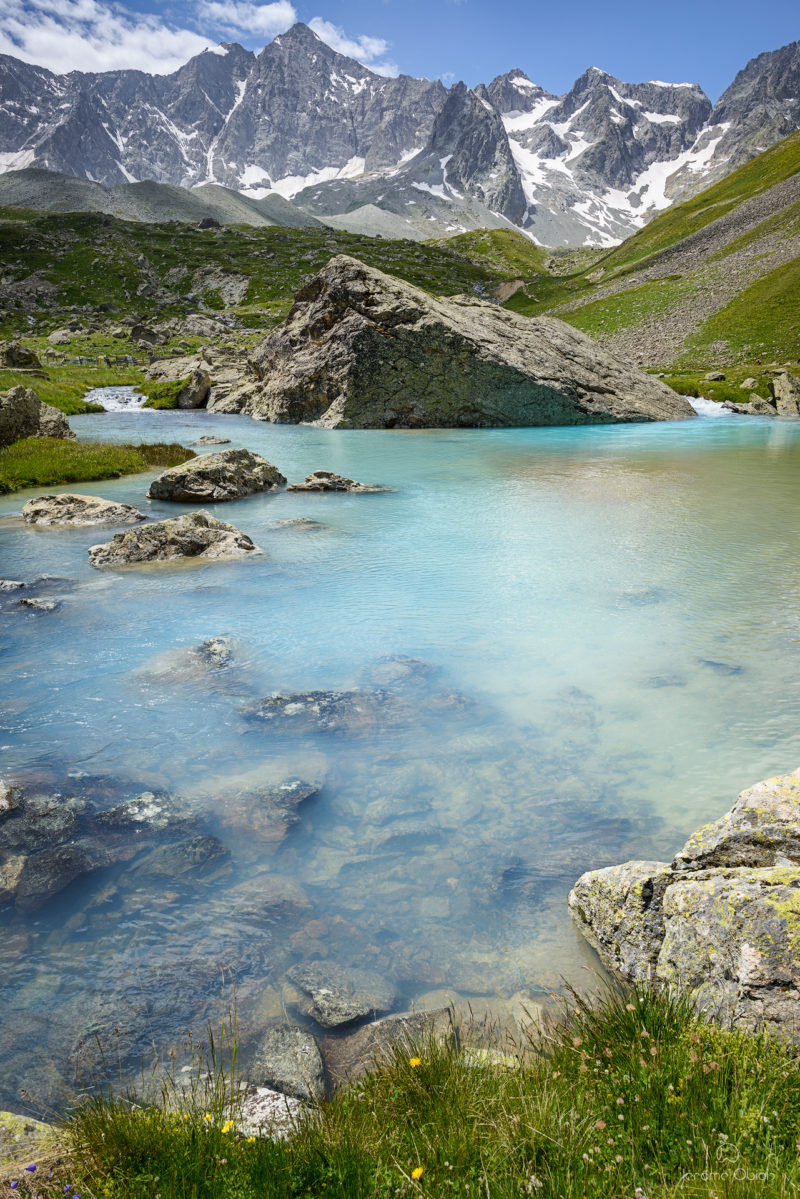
{"x": 619, "y": 607}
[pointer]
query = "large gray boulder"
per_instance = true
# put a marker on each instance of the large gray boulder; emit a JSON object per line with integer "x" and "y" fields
{"x": 722, "y": 920}
{"x": 193, "y": 535}
{"x": 785, "y": 389}
{"x": 214, "y": 478}
{"x": 67, "y": 508}
{"x": 361, "y": 349}
{"x": 14, "y": 355}
{"x": 22, "y": 414}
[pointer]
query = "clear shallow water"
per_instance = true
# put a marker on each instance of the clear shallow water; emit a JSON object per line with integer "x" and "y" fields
{"x": 618, "y": 605}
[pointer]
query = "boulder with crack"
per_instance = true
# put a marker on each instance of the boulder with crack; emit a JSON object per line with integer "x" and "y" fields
{"x": 193, "y": 535}
{"x": 363, "y": 350}
{"x": 722, "y": 920}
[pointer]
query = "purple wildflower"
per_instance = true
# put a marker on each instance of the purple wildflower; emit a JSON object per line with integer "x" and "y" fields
{"x": 14, "y": 1185}
{"x": 31, "y": 1167}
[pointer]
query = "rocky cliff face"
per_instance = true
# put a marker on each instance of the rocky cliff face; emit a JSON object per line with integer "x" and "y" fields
{"x": 403, "y": 155}
{"x": 363, "y": 350}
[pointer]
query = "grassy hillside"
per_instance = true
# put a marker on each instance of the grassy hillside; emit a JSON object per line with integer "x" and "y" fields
{"x": 710, "y": 282}
{"x": 98, "y": 272}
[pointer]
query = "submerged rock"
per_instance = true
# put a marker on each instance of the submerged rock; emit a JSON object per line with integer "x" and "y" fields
{"x": 325, "y": 480}
{"x": 40, "y": 605}
{"x": 336, "y": 996}
{"x": 217, "y": 478}
{"x": 22, "y": 414}
{"x": 353, "y": 713}
{"x": 268, "y": 813}
{"x": 193, "y": 535}
{"x": 67, "y": 508}
{"x": 361, "y": 349}
{"x": 209, "y": 439}
{"x": 288, "y": 1060}
{"x": 722, "y": 920}
{"x": 209, "y": 663}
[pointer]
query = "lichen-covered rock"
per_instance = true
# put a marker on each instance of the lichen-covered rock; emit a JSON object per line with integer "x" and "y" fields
{"x": 22, "y": 414}
{"x": 193, "y": 535}
{"x": 67, "y": 508}
{"x": 619, "y": 911}
{"x": 722, "y": 921}
{"x": 23, "y": 1139}
{"x": 761, "y": 829}
{"x": 216, "y": 478}
{"x": 326, "y": 480}
{"x": 733, "y": 937}
{"x": 361, "y": 349}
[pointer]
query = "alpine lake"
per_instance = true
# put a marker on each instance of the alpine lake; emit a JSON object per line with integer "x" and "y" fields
{"x": 593, "y": 636}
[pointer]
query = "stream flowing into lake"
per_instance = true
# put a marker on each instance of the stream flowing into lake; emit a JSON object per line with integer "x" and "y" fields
{"x": 595, "y": 634}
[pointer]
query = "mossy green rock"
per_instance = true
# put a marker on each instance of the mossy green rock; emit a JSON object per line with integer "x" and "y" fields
{"x": 24, "y": 1139}
{"x": 723, "y": 920}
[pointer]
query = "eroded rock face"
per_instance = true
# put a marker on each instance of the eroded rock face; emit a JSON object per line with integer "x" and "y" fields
{"x": 193, "y": 535}
{"x": 22, "y": 414}
{"x": 722, "y": 920}
{"x": 67, "y": 508}
{"x": 214, "y": 478}
{"x": 361, "y": 349}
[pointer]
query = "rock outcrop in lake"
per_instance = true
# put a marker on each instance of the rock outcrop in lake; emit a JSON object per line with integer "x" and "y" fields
{"x": 722, "y": 920}
{"x": 361, "y": 349}
{"x": 193, "y": 535}
{"x": 326, "y": 480}
{"x": 67, "y": 508}
{"x": 22, "y": 414}
{"x": 217, "y": 478}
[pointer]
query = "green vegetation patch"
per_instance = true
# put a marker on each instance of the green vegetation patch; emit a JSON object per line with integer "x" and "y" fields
{"x": 634, "y": 1093}
{"x": 503, "y": 251}
{"x": 762, "y": 322}
{"x": 45, "y": 461}
{"x": 628, "y": 308}
{"x": 694, "y": 384}
{"x": 163, "y": 394}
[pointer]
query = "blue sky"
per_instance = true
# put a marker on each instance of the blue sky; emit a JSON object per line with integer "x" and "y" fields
{"x": 474, "y": 40}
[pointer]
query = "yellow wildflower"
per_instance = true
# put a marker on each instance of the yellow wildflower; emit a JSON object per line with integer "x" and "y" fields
{"x": 414, "y": 1062}
{"x": 251, "y": 1140}
{"x": 208, "y": 1116}
{"x": 415, "y": 1174}
{"x": 227, "y": 1126}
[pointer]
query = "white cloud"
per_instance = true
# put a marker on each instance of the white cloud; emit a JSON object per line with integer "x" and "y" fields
{"x": 88, "y": 35}
{"x": 363, "y": 49}
{"x": 242, "y": 16}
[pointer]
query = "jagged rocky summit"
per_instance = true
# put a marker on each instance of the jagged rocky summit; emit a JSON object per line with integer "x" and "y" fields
{"x": 722, "y": 920}
{"x": 363, "y": 350}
